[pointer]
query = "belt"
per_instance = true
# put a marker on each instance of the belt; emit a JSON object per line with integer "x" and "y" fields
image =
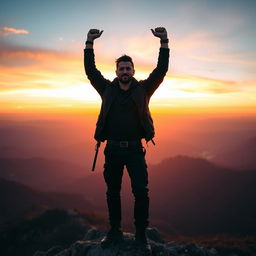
{"x": 124, "y": 143}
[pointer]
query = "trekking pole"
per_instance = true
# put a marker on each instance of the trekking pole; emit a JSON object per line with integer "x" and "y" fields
{"x": 96, "y": 155}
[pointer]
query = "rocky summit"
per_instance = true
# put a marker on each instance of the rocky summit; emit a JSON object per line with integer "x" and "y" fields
{"x": 90, "y": 246}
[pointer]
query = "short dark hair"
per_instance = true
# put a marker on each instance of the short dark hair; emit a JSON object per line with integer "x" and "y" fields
{"x": 124, "y": 58}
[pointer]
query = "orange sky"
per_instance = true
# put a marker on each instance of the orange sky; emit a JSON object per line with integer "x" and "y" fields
{"x": 212, "y": 64}
{"x": 54, "y": 81}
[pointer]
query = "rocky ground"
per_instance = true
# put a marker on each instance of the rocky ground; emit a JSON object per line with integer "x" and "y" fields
{"x": 90, "y": 246}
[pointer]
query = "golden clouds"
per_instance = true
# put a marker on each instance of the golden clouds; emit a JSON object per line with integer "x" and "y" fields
{"x": 6, "y": 31}
{"x": 34, "y": 79}
{"x": 31, "y": 68}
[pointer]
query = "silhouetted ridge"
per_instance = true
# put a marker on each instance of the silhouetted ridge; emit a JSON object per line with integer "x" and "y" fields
{"x": 186, "y": 162}
{"x": 240, "y": 156}
{"x": 53, "y": 227}
{"x": 40, "y": 173}
{"x": 188, "y": 196}
{"x": 18, "y": 200}
{"x": 193, "y": 196}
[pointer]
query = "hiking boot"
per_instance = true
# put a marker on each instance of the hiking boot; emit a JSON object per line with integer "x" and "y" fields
{"x": 113, "y": 237}
{"x": 141, "y": 241}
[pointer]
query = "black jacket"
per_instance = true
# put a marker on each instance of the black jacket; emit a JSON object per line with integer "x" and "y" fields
{"x": 141, "y": 94}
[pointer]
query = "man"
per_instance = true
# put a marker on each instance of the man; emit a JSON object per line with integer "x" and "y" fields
{"x": 123, "y": 121}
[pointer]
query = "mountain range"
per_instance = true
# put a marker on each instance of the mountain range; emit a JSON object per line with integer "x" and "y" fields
{"x": 19, "y": 201}
{"x": 190, "y": 196}
{"x": 241, "y": 156}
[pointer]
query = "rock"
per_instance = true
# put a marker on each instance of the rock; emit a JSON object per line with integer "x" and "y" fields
{"x": 90, "y": 246}
{"x": 171, "y": 244}
{"x": 193, "y": 249}
{"x": 51, "y": 252}
{"x": 54, "y": 250}
{"x": 154, "y": 235}
{"x": 212, "y": 252}
{"x": 93, "y": 234}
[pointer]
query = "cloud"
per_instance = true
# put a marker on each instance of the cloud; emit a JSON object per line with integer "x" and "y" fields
{"x": 6, "y": 31}
{"x": 226, "y": 58}
{"x": 205, "y": 54}
{"x": 26, "y": 67}
{"x": 20, "y": 56}
{"x": 214, "y": 87}
{"x": 195, "y": 84}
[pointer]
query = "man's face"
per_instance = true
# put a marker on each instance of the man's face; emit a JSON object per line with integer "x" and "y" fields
{"x": 125, "y": 71}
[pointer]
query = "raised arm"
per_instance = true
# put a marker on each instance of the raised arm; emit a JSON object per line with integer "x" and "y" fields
{"x": 96, "y": 78}
{"x": 158, "y": 74}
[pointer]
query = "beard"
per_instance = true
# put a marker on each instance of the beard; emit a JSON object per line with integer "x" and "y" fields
{"x": 126, "y": 80}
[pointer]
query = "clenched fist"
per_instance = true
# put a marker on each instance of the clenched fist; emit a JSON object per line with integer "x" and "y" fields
{"x": 160, "y": 32}
{"x": 93, "y": 34}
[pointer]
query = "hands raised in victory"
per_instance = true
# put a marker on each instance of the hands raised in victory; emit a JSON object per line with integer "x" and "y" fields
{"x": 157, "y": 32}
{"x": 160, "y": 32}
{"x": 93, "y": 34}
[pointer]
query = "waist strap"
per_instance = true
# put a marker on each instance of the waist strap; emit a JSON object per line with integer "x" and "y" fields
{"x": 124, "y": 143}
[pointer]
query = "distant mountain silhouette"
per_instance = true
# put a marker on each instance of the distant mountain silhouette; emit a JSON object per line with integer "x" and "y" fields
{"x": 194, "y": 196}
{"x": 12, "y": 152}
{"x": 242, "y": 156}
{"x": 77, "y": 153}
{"x": 18, "y": 200}
{"x": 188, "y": 196}
{"x": 46, "y": 139}
{"x": 203, "y": 137}
{"x": 40, "y": 173}
{"x": 41, "y": 133}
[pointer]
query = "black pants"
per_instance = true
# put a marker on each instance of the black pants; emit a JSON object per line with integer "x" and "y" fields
{"x": 133, "y": 158}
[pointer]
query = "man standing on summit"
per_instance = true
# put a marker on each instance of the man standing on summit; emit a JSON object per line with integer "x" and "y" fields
{"x": 124, "y": 120}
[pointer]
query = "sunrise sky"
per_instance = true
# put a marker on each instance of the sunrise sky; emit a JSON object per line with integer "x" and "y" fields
{"x": 212, "y": 65}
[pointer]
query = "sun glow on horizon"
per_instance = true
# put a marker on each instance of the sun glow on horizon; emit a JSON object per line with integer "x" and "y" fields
{"x": 48, "y": 80}
{"x": 175, "y": 92}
